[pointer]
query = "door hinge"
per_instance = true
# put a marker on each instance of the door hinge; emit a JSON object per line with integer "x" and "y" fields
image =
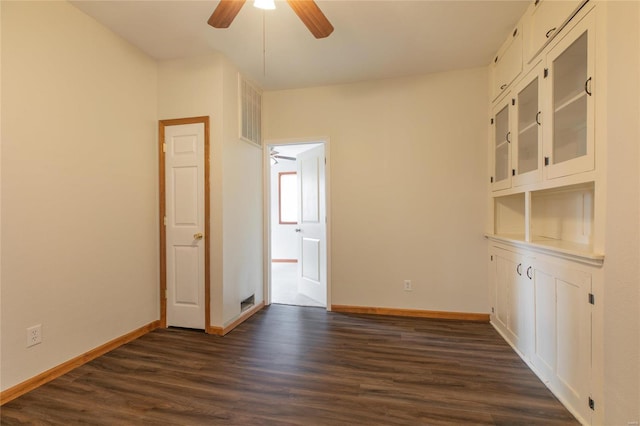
{"x": 164, "y": 221}
{"x": 513, "y": 101}
{"x": 546, "y": 72}
{"x": 592, "y": 404}
{"x": 493, "y": 311}
{"x": 325, "y": 161}
{"x": 513, "y": 172}
{"x": 492, "y": 258}
{"x": 546, "y": 161}
{"x": 491, "y": 179}
{"x": 592, "y": 299}
{"x": 492, "y": 121}
{"x": 164, "y": 147}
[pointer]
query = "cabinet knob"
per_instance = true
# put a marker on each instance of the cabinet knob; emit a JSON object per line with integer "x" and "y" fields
{"x": 550, "y": 32}
{"x": 529, "y": 273}
{"x": 518, "y": 270}
{"x": 508, "y": 136}
{"x": 503, "y": 87}
{"x": 538, "y": 118}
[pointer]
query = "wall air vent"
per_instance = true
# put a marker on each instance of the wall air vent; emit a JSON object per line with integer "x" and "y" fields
{"x": 250, "y": 112}
{"x": 247, "y": 303}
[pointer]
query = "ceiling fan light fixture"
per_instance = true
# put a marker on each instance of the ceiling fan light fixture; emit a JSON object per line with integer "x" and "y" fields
{"x": 264, "y": 4}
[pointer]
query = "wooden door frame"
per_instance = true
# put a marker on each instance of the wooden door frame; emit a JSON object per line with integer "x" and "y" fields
{"x": 163, "y": 232}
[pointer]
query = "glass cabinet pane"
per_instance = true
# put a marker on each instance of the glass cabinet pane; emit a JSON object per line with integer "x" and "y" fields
{"x": 501, "y": 162}
{"x": 528, "y": 128}
{"x": 570, "y": 102}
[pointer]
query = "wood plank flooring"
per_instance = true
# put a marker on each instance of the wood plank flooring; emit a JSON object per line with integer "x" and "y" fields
{"x": 291, "y": 365}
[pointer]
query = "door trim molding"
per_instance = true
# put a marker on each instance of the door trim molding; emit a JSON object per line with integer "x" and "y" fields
{"x": 163, "y": 236}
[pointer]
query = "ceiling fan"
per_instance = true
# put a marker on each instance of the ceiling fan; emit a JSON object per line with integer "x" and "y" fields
{"x": 275, "y": 156}
{"x": 307, "y": 10}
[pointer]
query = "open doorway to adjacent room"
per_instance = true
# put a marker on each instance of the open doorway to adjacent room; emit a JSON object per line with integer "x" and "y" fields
{"x": 298, "y": 224}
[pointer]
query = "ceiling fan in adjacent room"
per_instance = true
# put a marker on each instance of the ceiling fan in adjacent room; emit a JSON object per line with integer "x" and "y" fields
{"x": 307, "y": 10}
{"x": 275, "y": 156}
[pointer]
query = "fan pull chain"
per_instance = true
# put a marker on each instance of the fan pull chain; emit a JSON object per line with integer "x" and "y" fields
{"x": 264, "y": 46}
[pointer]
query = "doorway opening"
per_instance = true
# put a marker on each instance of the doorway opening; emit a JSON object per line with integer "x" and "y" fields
{"x": 297, "y": 223}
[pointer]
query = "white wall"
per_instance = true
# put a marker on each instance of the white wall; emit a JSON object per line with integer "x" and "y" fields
{"x": 242, "y": 207}
{"x": 622, "y": 272}
{"x": 79, "y": 204}
{"x": 284, "y": 241}
{"x": 407, "y": 184}
{"x": 207, "y": 85}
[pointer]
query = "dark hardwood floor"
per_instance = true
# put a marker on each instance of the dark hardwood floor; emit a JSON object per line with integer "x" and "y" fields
{"x": 301, "y": 366}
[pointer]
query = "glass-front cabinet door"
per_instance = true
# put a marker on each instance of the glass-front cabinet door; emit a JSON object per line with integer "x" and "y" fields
{"x": 527, "y": 141}
{"x": 570, "y": 132}
{"x": 501, "y": 178}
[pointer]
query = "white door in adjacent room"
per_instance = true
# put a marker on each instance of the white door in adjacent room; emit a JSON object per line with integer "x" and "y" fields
{"x": 185, "y": 239}
{"x": 312, "y": 252}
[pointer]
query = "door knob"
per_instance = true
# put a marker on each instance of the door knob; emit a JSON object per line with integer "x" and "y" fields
{"x": 198, "y": 236}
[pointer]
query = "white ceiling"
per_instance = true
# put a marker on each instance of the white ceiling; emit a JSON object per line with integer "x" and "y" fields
{"x": 372, "y": 39}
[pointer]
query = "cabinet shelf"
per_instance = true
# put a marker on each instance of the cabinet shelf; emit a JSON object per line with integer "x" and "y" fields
{"x": 528, "y": 128}
{"x": 583, "y": 253}
{"x": 570, "y": 100}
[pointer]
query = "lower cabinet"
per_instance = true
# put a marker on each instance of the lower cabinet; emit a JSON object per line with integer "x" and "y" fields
{"x": 542, "y": 307}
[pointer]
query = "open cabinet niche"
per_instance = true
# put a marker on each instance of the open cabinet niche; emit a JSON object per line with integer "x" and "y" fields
{"x": 509, "y": 214}
{"x": 564, "y": 217}
{"x": 561, "y": 218}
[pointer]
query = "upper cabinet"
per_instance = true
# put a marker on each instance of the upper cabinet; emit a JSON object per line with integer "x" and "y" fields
{"x": 545, "y": 19}
{"x": 543, "y": 124}
{"x": 501, "y": 146}
{"x": 507, "y": 64}
{"x": 527, "y": 141}
{"x": 570, "y": 69}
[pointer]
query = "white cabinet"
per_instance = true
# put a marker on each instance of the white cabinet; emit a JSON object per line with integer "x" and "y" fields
{"x": 570, "y": 102}
{"x": 542, "y": 307}
{"x": 546, "y": 19}
{"x": 513, "y": 309}
{"x": 501, "y": 145}
{"x": 543, "y": 127}
{"x": 507, "y": 64}
{"x": 560, "y": 220}
{"x": 527, "y": 140}
{"x": 562, "y": 350}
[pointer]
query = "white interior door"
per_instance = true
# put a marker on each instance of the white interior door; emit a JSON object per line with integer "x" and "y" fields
{"x": 312, "y": 243}
{"x": 184, "y": 186}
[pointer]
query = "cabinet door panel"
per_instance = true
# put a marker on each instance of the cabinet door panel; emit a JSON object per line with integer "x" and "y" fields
{"x": 527, "y": 146}
{"x": 569, "y": 134}
{"x": 501, "y": 147}
{"x": 544, "y": 357}
{"x": 547, "y": 19}
{"x": 562, "y": 353}
{"x": 508, "y": 63}
{"x": 503, "y": 274}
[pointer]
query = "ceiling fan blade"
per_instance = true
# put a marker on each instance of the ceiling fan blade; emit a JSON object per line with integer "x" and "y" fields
{"x": 225, "y": 12}
{"x": 284, "y": 157}
{"x": 311, "y": 15}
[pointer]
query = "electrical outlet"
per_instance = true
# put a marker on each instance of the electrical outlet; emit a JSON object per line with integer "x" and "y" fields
{"x": 34, "y": 335}
{"x": 407, "y": 285}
